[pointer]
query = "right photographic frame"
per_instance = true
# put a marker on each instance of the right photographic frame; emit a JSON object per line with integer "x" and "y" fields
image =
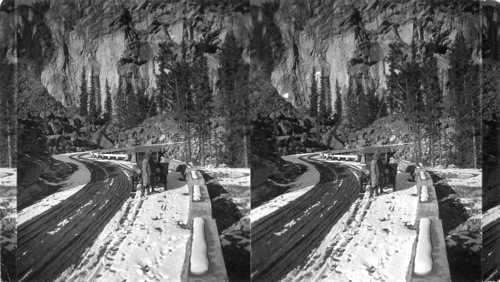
{"x": 374, "y": 140}
{"x": 490, "y": 13}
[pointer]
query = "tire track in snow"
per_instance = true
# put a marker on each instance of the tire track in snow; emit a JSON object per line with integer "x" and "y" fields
{"x": 328, "y": 260}
{"x": 94, "y": 263}
{"x": 279, "y": 246}
{"x": 43, "y": 256}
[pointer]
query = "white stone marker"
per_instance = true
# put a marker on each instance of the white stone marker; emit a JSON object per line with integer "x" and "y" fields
{"x": 196, "y": 193}
{"x": 424, "y": 193}
{"x": 199, "y": 256}
{"x": 193, "y": 174}
{"x": 422, "y": 175}
{"x": 423, "y": 255}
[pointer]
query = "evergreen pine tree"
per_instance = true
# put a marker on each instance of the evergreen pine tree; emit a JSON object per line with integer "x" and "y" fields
{"x": 322, "y": 99}
{"x": 108, "y": 106}
{"x": 463, "y": 104}
{"x": 362, "y": 113}
{"x": 412, "y": 104}
{"x": 338, "y": 103}
{"x": 395, "y": 83}
{"x": 92, "y": 98}
{"x": 98, "y": 96}
{"x": 328, "y": 91}
{"x": 132, "y": 115}
{"x": 119, "y": 103}
{"x": 167, "y": 79}
{"x": 203, "y": 104}
{"x": 313, "y": 98}
{"x": 350, "y": 104}
{"x": 432, "y": 98}
{"x": 232, "y": 99}
{"x": 8, "y": 116}
{"x": 83, "y": 95}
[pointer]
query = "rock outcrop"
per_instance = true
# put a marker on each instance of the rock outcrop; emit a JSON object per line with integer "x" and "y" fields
{"x": 121, "y": 38}
{"x": 351, "y": 39}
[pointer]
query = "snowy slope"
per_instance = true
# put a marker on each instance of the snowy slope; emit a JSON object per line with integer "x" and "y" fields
{"x": 70, "y": 186}
{"x": 303, "y": 184}
{"x": 8, "y": 205}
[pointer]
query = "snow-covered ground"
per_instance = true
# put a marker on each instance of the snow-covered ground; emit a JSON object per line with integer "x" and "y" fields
{"x": 8, "y": 176}
{"x": 70, "y": 186}
{"x": 466, "y": 182}
{"x": 146, "y": 240}
{"x": 461, "y": 177}
{"x": 491, "y": 215}
{"x": 237, "y": 179}
{"x": 303, "y": 184}
{"x": 372, "y": 242}
{"x": 8, "y": 205}
{"x": 148, "y": 245}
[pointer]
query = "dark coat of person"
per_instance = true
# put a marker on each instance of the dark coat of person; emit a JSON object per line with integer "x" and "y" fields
{"x": 182, "y": 168}
{"x": 375, "y": 170}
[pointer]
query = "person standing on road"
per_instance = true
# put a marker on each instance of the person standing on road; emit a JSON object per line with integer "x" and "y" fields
{"x": 146, "y": 174}
{"x": 164, "y": 163}
{"x": 375, "y": 174}
{"x": 382, "y": 172}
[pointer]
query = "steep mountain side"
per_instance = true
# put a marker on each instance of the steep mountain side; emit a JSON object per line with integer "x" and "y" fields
{"x": 121, "y": 38}
{"x": 351, "y": 39}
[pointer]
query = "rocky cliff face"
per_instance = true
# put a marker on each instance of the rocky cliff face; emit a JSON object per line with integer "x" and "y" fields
{"x": 351, "y": 38}
{"x": 121, "y": 38}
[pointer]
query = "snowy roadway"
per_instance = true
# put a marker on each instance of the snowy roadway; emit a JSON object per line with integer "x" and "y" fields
{"x": 328, "y": 233}
{"x": 104, "y": 232}
{"x": 283, "y": 239}
{"x": 491, "y": 233}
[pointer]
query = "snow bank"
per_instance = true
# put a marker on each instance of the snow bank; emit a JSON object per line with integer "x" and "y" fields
{"x": 199, "y": 256}
{"x": 8, "y": 207}
{"x": 423, "y": 255}
{"x": 73, "y": 184}
{"x": 8, "y": 176}
{"x": 194, "y": 175}
{"x": 196, "y": 193}
{"x": 424, "y": 193}
{"x": 462, "y": 177}
{"x": 299, "y": 187}
{"x": 422, "y": 175}
{"x": 491, "y": 215}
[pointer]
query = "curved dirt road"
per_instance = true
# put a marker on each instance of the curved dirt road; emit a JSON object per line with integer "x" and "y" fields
{"x": 282, "y": 240}
{"x": 56, "y": 239}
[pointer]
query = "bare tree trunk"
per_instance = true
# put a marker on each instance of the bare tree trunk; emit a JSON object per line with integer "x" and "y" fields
{"x": 217, "y": 149}
{"x": 245, "y": 150}
{"x": 9, "y": 146}
{"x": 210, "y": 145}
{"x": 190, "y": 153}
{"x": 200, "y": 149}
{"x": 431, "y": 145}
{"x": 474, "y": 147}
{"x": 440, "y": 149}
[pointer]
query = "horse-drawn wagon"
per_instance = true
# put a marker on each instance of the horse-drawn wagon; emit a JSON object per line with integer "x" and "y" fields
{"x": 388, "y": 171}
{"x": 159, "y": 165}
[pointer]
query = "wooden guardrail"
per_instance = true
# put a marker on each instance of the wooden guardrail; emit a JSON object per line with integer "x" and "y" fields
{"x": 200, "y": 210}
{"x": 429, "y": 261}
